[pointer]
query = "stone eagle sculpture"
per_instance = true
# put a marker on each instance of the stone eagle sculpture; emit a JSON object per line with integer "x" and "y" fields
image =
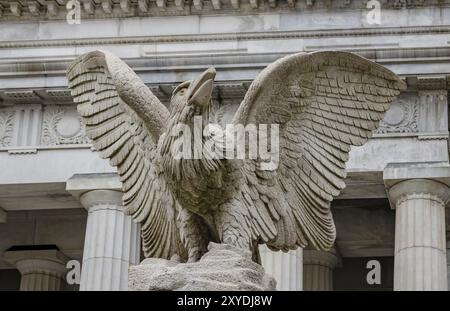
{"x": 324, "y": 103}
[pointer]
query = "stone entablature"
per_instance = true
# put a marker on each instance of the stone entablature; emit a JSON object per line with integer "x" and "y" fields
{"x": 38, "y": 119}
{"x": 411, "y": 42}
{"x": 55, "y": 9}
{"x": 29, "y": 122}
{"x": 26, "y": 127}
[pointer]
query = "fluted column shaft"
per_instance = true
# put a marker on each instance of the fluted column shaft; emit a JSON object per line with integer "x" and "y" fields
{"x": 448, "y": 268}
{"x": 41, "y": 270}
{"x": 111, "y": 243}
{"x": 318, "y": 269}
{"x": 286, "y": 268}
{"x": 420, "y": 246}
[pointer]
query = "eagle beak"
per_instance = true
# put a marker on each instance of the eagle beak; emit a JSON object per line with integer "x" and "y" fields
{"x": 201, "y": 89}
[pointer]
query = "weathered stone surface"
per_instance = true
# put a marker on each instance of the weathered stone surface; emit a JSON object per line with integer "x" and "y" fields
{"x": 323, "y": 102}
{"x": 223, "y": 267}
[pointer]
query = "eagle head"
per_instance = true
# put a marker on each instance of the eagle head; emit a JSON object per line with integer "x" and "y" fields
{"x": 193, "y": 94}
{"x": 190, "y": 102}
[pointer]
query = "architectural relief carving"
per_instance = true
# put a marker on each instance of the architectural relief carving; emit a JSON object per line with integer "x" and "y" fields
{"x": 108, "y": 8}
{"x": 26, "y": 128}
{"x": 433, "y": 111}
{"x": 62, "y": 125}
{"x": 402, "y": 117}
{"x": 6, "y": 127}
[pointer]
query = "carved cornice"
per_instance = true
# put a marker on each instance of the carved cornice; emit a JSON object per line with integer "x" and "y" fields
{"x": 55, "y": 9}
{"x": 161, "y": 63}
{"x": 441, "y": 82}
{"x": 229, "y": 92}
{"x": 268, "y": 35}
{"x": 61, "y": 96}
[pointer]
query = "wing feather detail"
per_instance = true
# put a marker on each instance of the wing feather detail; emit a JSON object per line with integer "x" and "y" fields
{"x": 324, "y": 103}
{"x": 124, "y": 120}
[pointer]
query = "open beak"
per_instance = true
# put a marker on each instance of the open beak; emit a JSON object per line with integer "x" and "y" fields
{"x": 201, "y": 89}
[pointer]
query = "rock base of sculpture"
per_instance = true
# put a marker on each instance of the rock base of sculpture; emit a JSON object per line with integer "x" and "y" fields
{"x": 223, "y": 267}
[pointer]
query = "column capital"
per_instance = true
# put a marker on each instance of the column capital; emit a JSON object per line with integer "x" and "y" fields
{"x": 110, "y": 199}
{"x": 410, "y": 179}
{"x": 324, "y": 258}
{"x": 34, "y": 261}
{"x": 419, "y": 189}
{"x": 96, "y": 189}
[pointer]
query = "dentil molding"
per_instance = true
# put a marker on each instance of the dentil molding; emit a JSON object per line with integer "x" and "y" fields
{"x": 56, "y": 9}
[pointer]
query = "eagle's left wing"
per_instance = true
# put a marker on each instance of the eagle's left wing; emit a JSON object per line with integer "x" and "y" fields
{"x": 124, "y": 120}
{"x": 324, "y": 103}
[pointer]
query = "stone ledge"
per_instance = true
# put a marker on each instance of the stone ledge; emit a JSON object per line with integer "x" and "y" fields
{"x": 397, "y": 172}
{"x": 37, "y": 260}
{"x": 79, "y": 184}
{"x": 433, "y": 178}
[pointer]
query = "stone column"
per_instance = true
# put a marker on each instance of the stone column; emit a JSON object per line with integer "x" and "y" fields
{"x": 286, "y": 268}
{"x": 420, "y": 246}
{"x": 448, "y": 264}
{"x": 112, "y": 240}
{"x": 41, "y": 270}
{"x": 111, "y": 243}
{"x": 318, "y": 269}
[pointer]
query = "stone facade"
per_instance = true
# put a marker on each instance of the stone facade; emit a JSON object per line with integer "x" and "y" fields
{"x": 44, "y": 149}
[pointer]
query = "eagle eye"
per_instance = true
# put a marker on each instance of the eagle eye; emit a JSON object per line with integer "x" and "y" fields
{"x": 181, "y": 88}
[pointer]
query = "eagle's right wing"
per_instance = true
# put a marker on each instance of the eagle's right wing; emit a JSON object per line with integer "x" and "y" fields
{"x": 124, "y": 121}
{"x": 324, "y": 103}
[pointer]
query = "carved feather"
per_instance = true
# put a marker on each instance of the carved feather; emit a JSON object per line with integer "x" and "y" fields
{"x": 325, "y": 102}
{"x": 124, "y": 121}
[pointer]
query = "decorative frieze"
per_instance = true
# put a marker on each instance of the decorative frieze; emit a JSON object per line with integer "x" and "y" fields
{"x": 108, "y": 8}
{"x": 62, "y": 125}
{"x": 24, "y": 128}
{"x": 52, "y": 7}
{"x": 433, "y": 111}
{"x": 27, "y": 127}
{"x": 143, "y": 5}
{"x": 16, "y": 8}
{"x": 402, "y": 117}
{"x": 6, "y": 127}
{"x": 40, "y": 118}
{"x": 424, "y": 112}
